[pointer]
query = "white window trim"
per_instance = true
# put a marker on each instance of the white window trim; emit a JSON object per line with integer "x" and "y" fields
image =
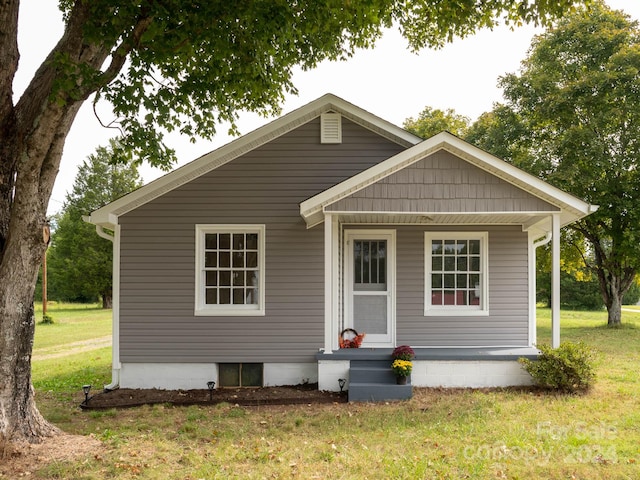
{"x": 457, "y": 310}
{"x": 201, "y": 308}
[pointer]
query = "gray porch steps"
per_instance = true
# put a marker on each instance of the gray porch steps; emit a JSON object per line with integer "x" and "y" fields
{"x": 374, "y": 381}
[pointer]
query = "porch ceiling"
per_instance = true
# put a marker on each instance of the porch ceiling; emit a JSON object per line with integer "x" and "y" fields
{"x": 528, "y": 220}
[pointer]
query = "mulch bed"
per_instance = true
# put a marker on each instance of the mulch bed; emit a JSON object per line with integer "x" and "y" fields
{"x": 288, "y": 395}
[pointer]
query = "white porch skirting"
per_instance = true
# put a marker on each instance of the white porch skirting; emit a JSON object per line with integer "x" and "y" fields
{"x": 470, "y": 374}
{"x": 439, "y": 373}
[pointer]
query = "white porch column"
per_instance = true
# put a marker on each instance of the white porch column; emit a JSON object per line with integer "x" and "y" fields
{"x": 555, "y": 281}
{"x": 330, "y": 276}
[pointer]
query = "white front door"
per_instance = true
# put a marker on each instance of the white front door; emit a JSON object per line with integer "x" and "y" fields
{"x": 370, "y": 285}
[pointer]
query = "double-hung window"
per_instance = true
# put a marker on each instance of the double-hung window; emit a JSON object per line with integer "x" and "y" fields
{"x": 230, "y": 269}
{"x": 456, "y": 273}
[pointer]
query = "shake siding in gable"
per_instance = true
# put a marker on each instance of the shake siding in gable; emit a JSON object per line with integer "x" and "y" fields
{"x": 440, "y": 183}
{"x": 265, "y": 186}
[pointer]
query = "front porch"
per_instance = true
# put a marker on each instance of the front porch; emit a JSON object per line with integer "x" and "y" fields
{"x": 368, "y": 374}
{"x": 481, "y": 293}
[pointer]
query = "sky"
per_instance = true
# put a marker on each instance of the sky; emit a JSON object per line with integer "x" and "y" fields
{"x": 388, "y": 81}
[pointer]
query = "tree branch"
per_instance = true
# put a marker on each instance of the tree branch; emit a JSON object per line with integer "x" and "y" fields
{"x": 51, "y": 163}
{"x": 102, "y": 124}
{"x": 581, "y": 253}
{"x": 37, "y": 95}
{"x": 119, "y": 56}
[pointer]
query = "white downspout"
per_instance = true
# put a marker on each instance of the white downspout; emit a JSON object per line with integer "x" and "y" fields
{"x": 542, "y": 241}
{"x": 115, "y": 311}
{"x": 101, "y": 233}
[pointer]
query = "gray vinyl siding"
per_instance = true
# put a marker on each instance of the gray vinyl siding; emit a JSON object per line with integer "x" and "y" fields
{"x": 438, "y": 183}
{"x": 265, "y": 186}
{"x": 507, "y": 323}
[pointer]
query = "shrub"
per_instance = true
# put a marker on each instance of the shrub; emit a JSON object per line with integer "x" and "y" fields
{"x": 46, "y": 320}
{"x": 568, "y": 368}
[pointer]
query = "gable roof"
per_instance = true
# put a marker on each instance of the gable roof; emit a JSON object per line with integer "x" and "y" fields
{"x": 571, "y": 208}
{"x": 107, "y": 216}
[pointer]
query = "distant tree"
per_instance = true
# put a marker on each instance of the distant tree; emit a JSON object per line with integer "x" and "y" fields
{"x": 79, "y": 261}
{"x": 503, "y": 133}
{"x": 432, "y": 121}
{"x": 580, "y": 294}
{"x": 573, "y": 117}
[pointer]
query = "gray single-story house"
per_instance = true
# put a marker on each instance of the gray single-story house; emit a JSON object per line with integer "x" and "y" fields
{"x": 244, "y": 266}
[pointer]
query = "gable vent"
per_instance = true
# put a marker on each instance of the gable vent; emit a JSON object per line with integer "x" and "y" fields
{"x": 330, "y": 128}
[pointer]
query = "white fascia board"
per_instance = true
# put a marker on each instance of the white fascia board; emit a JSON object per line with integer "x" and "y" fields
{"x": 543, "y": 222}
{"x": 516, "y": 176}
{"x": 311, "y": 208}
{"x": 246, "y": 143}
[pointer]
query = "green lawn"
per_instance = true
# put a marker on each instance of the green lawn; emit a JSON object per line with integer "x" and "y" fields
{"x": 72, "y": 323}
{"x": 62, "y": 377}
{"x": 439, "y": 434}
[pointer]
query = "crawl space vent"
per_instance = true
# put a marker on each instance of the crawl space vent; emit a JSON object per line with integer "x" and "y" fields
{"x": 330, "y": 128}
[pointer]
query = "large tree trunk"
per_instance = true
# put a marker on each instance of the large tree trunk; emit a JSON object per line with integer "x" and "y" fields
{"x": 19, "y": 417}
{"x": 32, "y": 135}
{"x": 614, "y": 277}
{"x": 36, "y": 166}
{"x": 107, "y": 299}
{"x": 614, "y": 288}
{"x": 614, "y": 311}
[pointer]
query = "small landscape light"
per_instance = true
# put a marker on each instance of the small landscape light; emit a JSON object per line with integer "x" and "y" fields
{"x": 211, "y": 385}
{"x": 86, "y": 389}
{"x": 341, "y": 383}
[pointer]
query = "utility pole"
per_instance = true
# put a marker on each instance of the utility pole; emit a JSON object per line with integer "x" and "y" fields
{"x": 46, "y": 236}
